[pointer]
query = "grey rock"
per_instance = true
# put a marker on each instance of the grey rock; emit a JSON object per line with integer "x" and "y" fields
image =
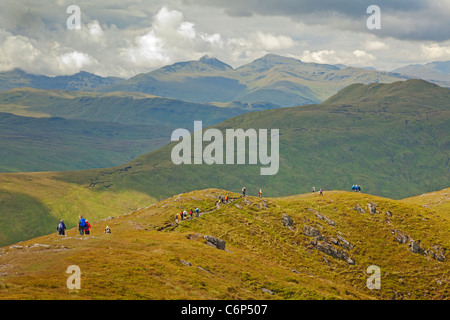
{"x": 286, "y": 220}
{"x": 215, "y": 242}
{"x": 310, "y": 231}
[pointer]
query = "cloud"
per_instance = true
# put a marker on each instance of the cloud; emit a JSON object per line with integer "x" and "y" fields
{"x": 414, "y": 20}
{"x": 355, "y": 58}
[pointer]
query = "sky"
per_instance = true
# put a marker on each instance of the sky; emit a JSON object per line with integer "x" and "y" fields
{"x": 126, "y": 37}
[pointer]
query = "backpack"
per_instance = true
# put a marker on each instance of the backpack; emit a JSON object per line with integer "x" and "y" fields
{"x": 60, "y": 226}
{"x": 82, "y": 222}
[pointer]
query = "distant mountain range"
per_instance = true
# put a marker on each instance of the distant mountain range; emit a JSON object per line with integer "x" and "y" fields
{"x": 437, "y": 72}
{"x": 271, "y": 80}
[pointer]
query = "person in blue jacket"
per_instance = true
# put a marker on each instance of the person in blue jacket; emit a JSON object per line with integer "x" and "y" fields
{"x": 61, "y": 228}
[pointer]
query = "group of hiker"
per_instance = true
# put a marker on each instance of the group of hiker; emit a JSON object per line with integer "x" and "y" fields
{"x": 244, "y": 190}
{"x": 356, "y": 188}
{"x": 183, "y": 214}
{"x": 314, "y": 191}
{"x": 84, "y": 227}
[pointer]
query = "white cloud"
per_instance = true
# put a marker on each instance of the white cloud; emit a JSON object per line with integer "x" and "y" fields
{"x": 375, "y": 45}
{"x": 269, "y": 41}
{"x": 359, "y": 58}
{"x": 435, "y": 51}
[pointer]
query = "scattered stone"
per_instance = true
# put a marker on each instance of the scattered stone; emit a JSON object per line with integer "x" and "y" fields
{"x": 372, "y": 207}
{"x": 438, "y": 253}
{"x": 400, "y": 237}
{"x": 414, "y": 247}
{"x": 186, "y": 263}
{"x": 286, "y": 220}
{"x": 36, "y": 245}
{"x": 16, "y": 247}
{"x": 359, "y": 209}
{"x": 389, "y": 213}
{"x": 204, "y": 269}
{"x": 215, "y": 242}
{"x": 344, "y": 243}
{"x": 267, "y": 291}
{"x": 238, "y": 206}
{"x": 328, "y": 249}
{"x": 247, "y": 202}
{"x": 310, "y": 231}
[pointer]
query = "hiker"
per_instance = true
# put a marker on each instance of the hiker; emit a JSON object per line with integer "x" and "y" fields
{"x": 181, "y": 215}
{"x": 358, "y": 188}
{"x": 191, "y": 213}
{"x": 313, "y": 191}
{"x": 243, "y": 191}
{"x": 87, "y": 230}
{"x": 226, "y": 199}
{"x": 81, "y": 225}
{"x": 260, "y": 193}
{"x": 197, "y": 212}
{"x": 353, "y": 188}
{"x": 321, "y": 192}
{"x": 107, "y": 230}
{"x": 61, "y": 228}
{"x": 176, "y": 217}
{"x": 185, "y": 214}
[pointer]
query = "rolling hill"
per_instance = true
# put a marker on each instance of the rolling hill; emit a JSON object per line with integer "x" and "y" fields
{"x": 297, "y": 247}
{"x": 392, "y": 139}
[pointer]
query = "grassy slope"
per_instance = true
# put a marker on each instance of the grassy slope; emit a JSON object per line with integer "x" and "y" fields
{"x": 32, "y": 203}
{"x": 438, "y": 201}
{"x": 136, "y": 261}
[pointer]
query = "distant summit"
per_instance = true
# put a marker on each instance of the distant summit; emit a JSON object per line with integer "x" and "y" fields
{"x": 215, "y": 63}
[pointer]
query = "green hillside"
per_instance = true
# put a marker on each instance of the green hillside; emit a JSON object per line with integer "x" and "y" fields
{"x": 298, "y": 247}
{"x": 392, "y": 139}
{"x": 56, "y": 130}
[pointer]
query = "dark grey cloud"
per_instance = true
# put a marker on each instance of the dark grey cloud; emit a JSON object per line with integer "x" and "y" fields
{"x": 408, "y": 20}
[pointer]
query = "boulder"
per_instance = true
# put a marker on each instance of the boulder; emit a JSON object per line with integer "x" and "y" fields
{"x": 310, "y": 231}
{"x": 286, "y": 220}
{"x": 215, "y": 242}
{"x": 414, "y": 247}
{"x": 372, "y": 207}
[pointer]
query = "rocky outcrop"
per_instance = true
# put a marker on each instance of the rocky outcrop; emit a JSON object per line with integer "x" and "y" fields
{"x": 372, "y": 207}
{"x": 322, "y": 217}
{"x": 310, "y": 231}
{"x": 359, "y": 209}
{"x": 287, "y": 221}
{"x": 325, "y": 244}
{"x": 328, "y": 249}
{"x": 215, "y": 242}
{"x": 437, "y": 252}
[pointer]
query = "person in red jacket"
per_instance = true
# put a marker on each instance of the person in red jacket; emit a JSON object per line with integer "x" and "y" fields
{"x": 88, "y": 228}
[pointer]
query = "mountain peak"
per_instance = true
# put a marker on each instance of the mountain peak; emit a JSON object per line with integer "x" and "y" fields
{"x": 214, "y": 62}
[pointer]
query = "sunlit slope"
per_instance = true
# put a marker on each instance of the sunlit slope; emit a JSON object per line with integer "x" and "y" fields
{"x": 299, "y": 247}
